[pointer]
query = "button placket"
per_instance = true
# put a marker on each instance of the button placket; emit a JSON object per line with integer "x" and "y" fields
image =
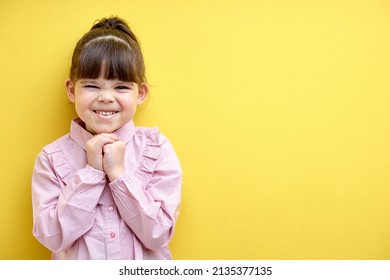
{"x": 112, "y": 232}
{"x": 110, "y": 210}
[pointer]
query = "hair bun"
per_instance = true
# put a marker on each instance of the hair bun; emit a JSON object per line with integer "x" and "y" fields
{"x": 117, "y": 23}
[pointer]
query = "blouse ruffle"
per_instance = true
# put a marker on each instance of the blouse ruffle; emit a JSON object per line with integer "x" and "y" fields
{"x": 61, "y": 164}
{"x": 150, "y": 155}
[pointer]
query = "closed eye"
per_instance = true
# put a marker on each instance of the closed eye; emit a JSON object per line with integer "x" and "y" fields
{"x": 90, "y": 86}
{"x": 122, "y": 88}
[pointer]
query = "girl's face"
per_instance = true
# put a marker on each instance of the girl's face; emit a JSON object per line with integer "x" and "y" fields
{"x": 105, "y": 105}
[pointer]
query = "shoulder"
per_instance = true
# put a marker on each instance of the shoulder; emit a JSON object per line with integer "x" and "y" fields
{"x": 53, "y": 157}
{"x": 151, "y": 136}
{"x": 156, "y": 145}
{"x": 56, "y": 146}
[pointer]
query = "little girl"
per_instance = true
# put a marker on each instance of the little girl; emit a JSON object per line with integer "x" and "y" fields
{"x": 108, "y": 189}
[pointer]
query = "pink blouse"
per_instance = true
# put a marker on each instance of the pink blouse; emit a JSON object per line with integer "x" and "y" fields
{"x": 79, "y": 214}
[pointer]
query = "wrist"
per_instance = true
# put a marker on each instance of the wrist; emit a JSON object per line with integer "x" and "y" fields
{"x": 90, "y": 174}
{"x": 115, "y": 174}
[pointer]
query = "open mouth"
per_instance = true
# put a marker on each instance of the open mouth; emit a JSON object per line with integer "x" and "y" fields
{"x": 105, "y": 113}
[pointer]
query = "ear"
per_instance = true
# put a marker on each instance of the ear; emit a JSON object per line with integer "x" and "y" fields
{"x": 70, "y": 90}
{"x": 143, "y": 91}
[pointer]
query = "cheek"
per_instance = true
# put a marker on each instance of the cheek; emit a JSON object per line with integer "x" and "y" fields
{"x": 83, "y": 103}
{"x": 128, "y": 103}
{"x": 79, "y": 108}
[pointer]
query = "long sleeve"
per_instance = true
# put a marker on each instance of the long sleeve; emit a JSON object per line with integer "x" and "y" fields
{"x": 63, "y": 212}
{"x": 149, "y": 201}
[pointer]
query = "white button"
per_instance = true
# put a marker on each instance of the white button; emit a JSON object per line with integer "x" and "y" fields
{"x": 110, "y": 208}
{"x": 112, "y": 234}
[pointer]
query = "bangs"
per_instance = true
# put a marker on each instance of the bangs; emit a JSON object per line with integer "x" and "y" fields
{"x": 108, "y": 58}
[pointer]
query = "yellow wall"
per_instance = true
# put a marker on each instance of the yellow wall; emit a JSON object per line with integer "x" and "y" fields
{"x": 279, "y": 111}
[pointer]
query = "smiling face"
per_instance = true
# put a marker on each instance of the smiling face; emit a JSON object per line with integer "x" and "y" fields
{"x": 105, "y": 105}
{"x": 107, "y": 76}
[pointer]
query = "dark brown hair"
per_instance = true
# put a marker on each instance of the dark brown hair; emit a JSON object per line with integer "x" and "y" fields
{"x": 111, "y": 50}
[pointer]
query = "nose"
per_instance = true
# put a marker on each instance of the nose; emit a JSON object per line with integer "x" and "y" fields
{"x": 106, "y": 96}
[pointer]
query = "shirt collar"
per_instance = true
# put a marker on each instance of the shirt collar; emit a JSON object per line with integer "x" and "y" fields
{"x": 80, "y": 135}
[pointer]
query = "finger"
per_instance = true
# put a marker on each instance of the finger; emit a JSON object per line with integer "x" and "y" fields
{"x": 100, "y": 140}
{"x": 117, "y": 147}
{"x": 107, "y": 148}
{"x": 106, "y": 137}
{"x": 112, "y": 135}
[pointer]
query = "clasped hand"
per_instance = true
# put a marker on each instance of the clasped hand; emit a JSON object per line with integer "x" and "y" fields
{"x": 106, "y": 152}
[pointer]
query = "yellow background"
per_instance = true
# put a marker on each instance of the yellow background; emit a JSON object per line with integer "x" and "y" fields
{"x": 278, "y": 110}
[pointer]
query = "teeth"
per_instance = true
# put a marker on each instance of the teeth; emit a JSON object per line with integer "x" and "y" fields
{"x": 105, "y": 113}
